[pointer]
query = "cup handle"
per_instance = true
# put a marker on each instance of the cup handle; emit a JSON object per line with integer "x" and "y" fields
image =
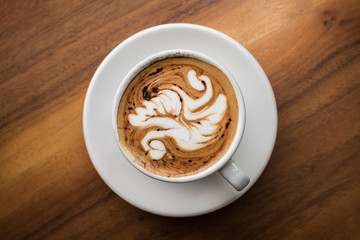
{"x": 235, "y": 175}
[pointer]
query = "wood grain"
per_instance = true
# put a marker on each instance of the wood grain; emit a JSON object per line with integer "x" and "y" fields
{"x": 49, "y": 51}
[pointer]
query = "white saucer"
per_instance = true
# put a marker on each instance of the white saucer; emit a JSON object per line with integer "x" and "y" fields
{"x": 179, "y": 199}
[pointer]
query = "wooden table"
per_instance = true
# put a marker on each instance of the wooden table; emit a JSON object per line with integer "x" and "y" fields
{"x": 49, "y": 51}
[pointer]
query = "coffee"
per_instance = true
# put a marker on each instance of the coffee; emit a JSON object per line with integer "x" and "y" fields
{"x": 177, "y": 117}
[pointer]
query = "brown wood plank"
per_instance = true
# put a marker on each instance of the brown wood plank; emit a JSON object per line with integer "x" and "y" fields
{"x": 49, "y": 51}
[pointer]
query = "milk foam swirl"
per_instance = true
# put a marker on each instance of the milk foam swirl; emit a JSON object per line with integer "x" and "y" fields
{"x": 191, "y": 122}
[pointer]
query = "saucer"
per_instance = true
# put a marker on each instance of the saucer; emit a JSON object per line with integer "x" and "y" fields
{"x": 179, "y": 199}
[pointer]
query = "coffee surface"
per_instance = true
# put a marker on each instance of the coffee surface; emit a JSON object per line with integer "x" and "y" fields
{"x": 178, "y": 117}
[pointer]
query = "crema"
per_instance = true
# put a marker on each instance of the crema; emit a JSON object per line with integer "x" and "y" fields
{"x": 178, "y": 116}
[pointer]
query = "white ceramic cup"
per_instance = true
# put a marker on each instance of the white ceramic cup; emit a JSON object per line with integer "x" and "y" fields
{"x": 225, "y": 165}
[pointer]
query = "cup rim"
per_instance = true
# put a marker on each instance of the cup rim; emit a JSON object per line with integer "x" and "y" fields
{"x": 180, "y": 53}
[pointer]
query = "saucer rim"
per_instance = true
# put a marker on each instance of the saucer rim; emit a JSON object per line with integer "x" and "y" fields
{"x": 153, "y": 30}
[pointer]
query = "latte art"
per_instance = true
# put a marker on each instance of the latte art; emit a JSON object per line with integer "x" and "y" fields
{"x": 177, "y": 117}
{"x": 180, "y": 117}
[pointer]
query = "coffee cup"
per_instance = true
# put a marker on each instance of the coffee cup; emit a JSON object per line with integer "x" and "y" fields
{"x": 179, "y": 116}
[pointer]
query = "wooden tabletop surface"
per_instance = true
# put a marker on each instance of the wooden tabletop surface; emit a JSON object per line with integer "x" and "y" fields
{"x": 49, "y": 51}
